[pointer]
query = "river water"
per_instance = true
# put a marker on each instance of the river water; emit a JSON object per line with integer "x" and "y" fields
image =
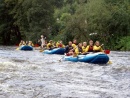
{"x": 31, "y": 74}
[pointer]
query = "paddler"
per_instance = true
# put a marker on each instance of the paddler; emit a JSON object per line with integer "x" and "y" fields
{"x": 84, "y": 47}
{"x": 79, "y": 49}
{"x": 74, "y": 45}
{"x": 50, "y": 45}
{"x": 30, "y": 43}
{"x": 89, "y": 47}
{"x": 61, "y": 45}
{"x": 97, "y": 47}
{"x": 69, "y": 49}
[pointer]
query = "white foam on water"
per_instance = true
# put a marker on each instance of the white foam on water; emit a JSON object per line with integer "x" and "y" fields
{"x": 31, "y": 74}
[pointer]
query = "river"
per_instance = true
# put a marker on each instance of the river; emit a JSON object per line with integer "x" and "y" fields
{"x": 31, "y": 74}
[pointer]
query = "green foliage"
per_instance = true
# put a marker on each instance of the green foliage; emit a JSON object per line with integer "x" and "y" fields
{"x": 25, "y": 17}
{"x": 124, "y": 44}
{"x": 109, "y": 19}
{"x": 65, "y": 20}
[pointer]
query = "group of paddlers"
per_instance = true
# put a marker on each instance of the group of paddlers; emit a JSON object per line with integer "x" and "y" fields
{"x": 29, "y": 43}
{"x": 71, "y": 49}
{"x": 82, "y": 48}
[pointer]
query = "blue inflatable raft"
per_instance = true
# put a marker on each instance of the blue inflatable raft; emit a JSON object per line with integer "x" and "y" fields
{"x": 55, "y": 51}
{"x": 26, "y": 48}
{"x": 95, "y": 58}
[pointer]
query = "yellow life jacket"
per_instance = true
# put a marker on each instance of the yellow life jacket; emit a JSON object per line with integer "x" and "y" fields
{"x": 84, "y": 49}
{"x": 57, "y": 44}
{"x": 20, "y": 44}
{"x": 30, "y": 44}
{"x": 89, "y": 49}
{"x": 97, "y": 48}
{"x": 49, "y": 45}
{"x": 78, "y": 50}
{"x": 74, "y": 46}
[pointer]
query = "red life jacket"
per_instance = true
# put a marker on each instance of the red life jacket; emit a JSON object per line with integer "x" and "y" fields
{"x": 60, "y": 45}
{"x": 90, "y": 49}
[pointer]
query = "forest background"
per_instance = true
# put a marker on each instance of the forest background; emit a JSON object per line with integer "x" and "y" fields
{"x": 105, "y": 20}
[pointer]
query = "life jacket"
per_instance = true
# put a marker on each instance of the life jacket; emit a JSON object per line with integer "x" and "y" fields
{"x": 90, "y": 49}
{"x": 31, "y": 44}
{"x": 78, "y": 50}
{"x": 84, "y": 48}
{"x": 74, "y": 46}
{"x": 57, "y": 44}
{"x": 49, "y": 45}
{"x": 97, "y": 49}
{"x": 61, "y": 46}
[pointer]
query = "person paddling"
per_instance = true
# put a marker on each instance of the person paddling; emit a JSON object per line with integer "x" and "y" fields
{"x": 89, "y": 47}
{"x": 50, "y": 45}
{"x": 61, "y": 45}
{"x": 21, "y": 43}
{"x": 97, "y": 47}
{"x": 79, "y": 49}
{"x": 30, "y": 44}
{"x": 74, "y": 45}
{"x": 69, "y": 49}
{"x": 84, "y": 47}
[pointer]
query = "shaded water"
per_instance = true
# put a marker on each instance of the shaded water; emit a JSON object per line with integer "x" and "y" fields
{"x": 30, "y": 74}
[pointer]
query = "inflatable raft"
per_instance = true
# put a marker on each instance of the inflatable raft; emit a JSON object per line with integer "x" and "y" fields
{"x": 95, "y": 58}
{"x": 55, "y": 51}
{"x": 26, "y": 48}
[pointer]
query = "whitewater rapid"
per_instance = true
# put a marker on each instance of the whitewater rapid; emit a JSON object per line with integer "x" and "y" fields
{"x": 31, "y": 74}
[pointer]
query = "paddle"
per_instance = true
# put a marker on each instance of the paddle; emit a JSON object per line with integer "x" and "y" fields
{"x": 108, "y": 52}
{"x": 41, "y": 50}
{"x": 17, "y": 48}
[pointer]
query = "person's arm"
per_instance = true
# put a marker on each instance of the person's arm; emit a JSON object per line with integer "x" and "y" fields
{"x": 32, "y": 45}
{"x": 63, "y": 46}
{"x": 86, "y": 50}
{"x": 48, "y": 46}
{"x": 77, "y": 51}
{"x": 101, "y": 50}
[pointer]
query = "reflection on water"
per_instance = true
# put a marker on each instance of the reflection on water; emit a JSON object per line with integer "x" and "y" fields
{"x": 30, "y": 74}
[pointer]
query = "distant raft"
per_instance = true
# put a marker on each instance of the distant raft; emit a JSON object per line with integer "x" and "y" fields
{"x": 95, "y": 58}
{"x": 55, "y": 51}
{"x": 26, "y": 48}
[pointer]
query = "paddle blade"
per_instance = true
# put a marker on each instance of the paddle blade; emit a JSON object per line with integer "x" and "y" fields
{"x": 41, "y": 50}
{"x": 36, "y": 45}
{"x": 109, "y": 62}
{"x": 107, "y": 51}
{"x": 17, "y": 48}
